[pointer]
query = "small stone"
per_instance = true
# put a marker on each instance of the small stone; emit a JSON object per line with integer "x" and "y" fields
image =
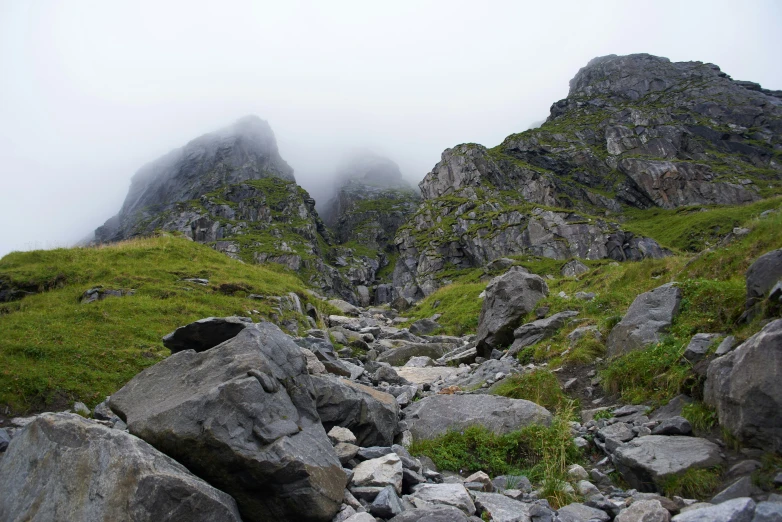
{"x": 740, "y": 488}
{"x": 386, "y": 504}
{"x": 483, "y": 479}
{"x": 645, "y": 511}
{"x": 380, "y": 472}
{"x": 577, "y": 472}
{"x": 345, "y": 452}
{"x": 339, "y": 434}
{"x": 673, "y": 426}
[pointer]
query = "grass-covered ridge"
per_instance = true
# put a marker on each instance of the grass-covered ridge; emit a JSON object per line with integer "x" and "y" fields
{"x": 55, "y": 350}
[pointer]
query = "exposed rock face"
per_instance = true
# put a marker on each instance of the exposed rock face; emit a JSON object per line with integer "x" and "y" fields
{"x": 242, "y": 416}
{"x": 509, "y": 297}
{"x": 645, "y": 462}
{"x": 472, "y": 227}
{"x": 650, "y": 315}
{"x": 231, "y": 190}
{"x": 435, "y": 415}
{"x": 745, "y": 388}
{"x": 64, "y": 467}
{"x": 635, "y": 130}
{"x": 244, "y": 151}
{"x": 371, "y": 203}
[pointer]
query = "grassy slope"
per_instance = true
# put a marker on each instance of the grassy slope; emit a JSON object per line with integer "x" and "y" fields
{"x": 712, "y": 283}
{"x": 54, "y": 349}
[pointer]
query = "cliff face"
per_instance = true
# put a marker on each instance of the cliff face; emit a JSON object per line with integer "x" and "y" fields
{"x": 372, "y": 201}
{"x": 635, "y": 131}
{"x": 246, "y": 150}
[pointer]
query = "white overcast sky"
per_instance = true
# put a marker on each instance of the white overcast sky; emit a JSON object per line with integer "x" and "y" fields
{"x": 90, "y": 91}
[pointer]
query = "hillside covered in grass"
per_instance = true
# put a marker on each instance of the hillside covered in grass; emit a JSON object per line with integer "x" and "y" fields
{"x": 55, "y": 350}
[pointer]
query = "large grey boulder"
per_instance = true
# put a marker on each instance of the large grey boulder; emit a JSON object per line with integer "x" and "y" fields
{"x": 509, "y": 298}
{"x": 762, "y": 275}
{"x": 242, "y": 416}
{"x": 64, "y": 467}
{"x": 205, "y": 333}
{"x": 645, "y": 462}
{"x": 650, "y": 315}
{"x": 372, "y": 415}
{"x": 736, "y": 510}
{"x": 531, "y": 333}
{"x": 745, "y": 388}
{"x": 435, "y": 415}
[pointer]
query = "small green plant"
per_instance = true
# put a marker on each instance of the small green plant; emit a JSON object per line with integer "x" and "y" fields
{"x": 526, "y": 355}
{"x": 701, "y": 417}
{"x": 538, "y": 386}
{"x": 693, "y": 483}
{"x": 764, "y": 477}
{"x": 731, "y": 440}
{"x": 603, "y": 414}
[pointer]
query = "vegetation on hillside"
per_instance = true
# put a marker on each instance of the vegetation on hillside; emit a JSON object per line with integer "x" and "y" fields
{"x": 55, "y": 350}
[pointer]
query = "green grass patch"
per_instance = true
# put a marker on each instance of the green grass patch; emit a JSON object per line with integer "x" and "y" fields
{"x": 701, "y": 484}
{"x": 541, "y": 453}
{"x": 54, "y": 350}
{"x": 694, "y": 228}
{"x": 539, "y": 386}
{"x": 459, "y": 305}
{"x": 701, "y": 417}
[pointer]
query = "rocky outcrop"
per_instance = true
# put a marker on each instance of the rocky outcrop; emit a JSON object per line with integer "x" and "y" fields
{"x": 470, "y": 228}
{"x": 64, "y": 467}
{"x": 242, "y": 416}
{"x": 372, "y": 201}
{"x": 650, "y": 315}
{"x": 246, "y": 150}
{"x": 646, "y": 462}
{"x": 509, "y": 298}
{"x": 745, "y": 389}
{"x": 635, "y": 130}
{"x": 435, "y": 415}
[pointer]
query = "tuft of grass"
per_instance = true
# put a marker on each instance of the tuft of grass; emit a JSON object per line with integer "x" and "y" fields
{"x": 539, "y": 386}
{"x": 541, "y": 453}
{"x": 55, "y": 351}
{"x": 701, "y": 417}
{"x": 459, "y": 305}
{"x": 654, "y": 374}
{"x": 693, "y": 483}
{"x": 603, "y": 414}
{"x": 764, "y": 477}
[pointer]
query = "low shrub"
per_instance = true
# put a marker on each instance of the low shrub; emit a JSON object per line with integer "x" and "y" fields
{"x": 539, "y": 386}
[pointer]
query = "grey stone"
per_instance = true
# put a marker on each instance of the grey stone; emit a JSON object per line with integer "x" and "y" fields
{"x": 424, "y": 327}
{"x": 577, "y": 512}
{"x": 749, "y": 407}
{"x": 531, "y": 333}
{"x": 672, "y": 409}
{"x": 399, "y": 356}
{"x": 449, "y": 494}
{"x": 736, "y": 510}
{"x": 768, "y": 512}
{"x": 745, "y": 467}
{"x": 435, "y": 415}
{"x": 644, "y": 511}
{"x": 502, "y": 508}
{"x": 619, "y": 431}
{"x": 361, "y": 517}
{"x": 64, "y": 467}
{"x": 370, "y": 414}
{"x": 246, "y": 405}
{"x": 699, "y": 346}
{"x": 481, "y": 478}
{"x": 650, "y": 315}
{"x": 673, "y": 426}
{"x": 419, "y": 362}
{"x": 573, "y": 268}
{"x": 345, "y": 307}
{"x": 5, "y": 439}
{"x": 517, "y": 482}
{"x": 645, "y": 462}
{"x": 339, "y": 434}
{"x": 345, "y": 451}
{"x": 725, "y": 346}
{"x": 762, "y": 275}
{"x": 740, "y": 488}
{"x": 508, "y": 298}
{"x": 386, "y": 504}
{"x": 374, "y": 452}
{"x": 434, "y": 513}
{"x": 380, "y": 472}
{"x": 205, "y": 333}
